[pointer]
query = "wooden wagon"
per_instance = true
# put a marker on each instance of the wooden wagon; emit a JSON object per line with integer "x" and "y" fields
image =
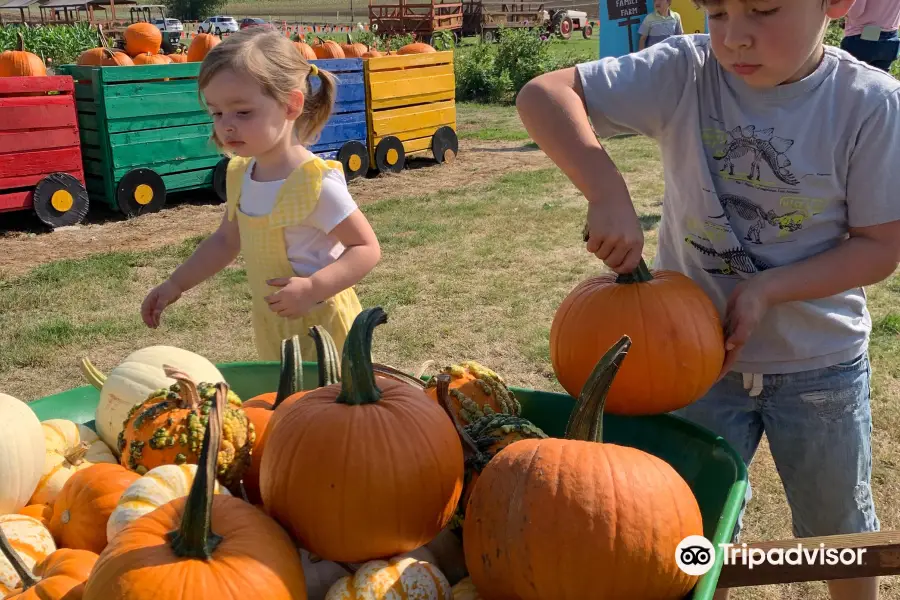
{"x": 411, "y": 108}
{"x": 144, "y": 133}
{"x": 422, "y": 19}
{"x": 40, "y": 156}
{"x": 344, "y": 136}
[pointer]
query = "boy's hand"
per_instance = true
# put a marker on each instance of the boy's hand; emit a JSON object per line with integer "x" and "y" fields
{"x": 157, "y": 300}
{"x": 295, "y": 298}
{"x": 614, "y": 235}
{"x": 746, "y": 307}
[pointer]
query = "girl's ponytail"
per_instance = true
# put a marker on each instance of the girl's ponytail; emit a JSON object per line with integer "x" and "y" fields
{"x": 317, "y": 107}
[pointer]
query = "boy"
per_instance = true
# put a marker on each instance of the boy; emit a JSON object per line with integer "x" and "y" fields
{"x": 870, "y": 32}
{"x": 661, "y": 24}
{"x": 781, "y": 174}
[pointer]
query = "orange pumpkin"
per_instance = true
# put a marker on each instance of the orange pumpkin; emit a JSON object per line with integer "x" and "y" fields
{"x": 328, "y": 49}
{"x": 201, "y": 45}
{"x": 397, "y": 478}
{"x": 83, "y": 506}
{"x": 353, "y": 49}
{"x": 21, "y": 63}
{"x": 515, "y": 513}
{"x": 306, "y": 50}
{"x": 41, "y": 512}
{"x": 416, "y": 48}
{"x": 261, "y": 408}
{"x": 680, "y": 347}
{"x": 371, "y": 53}
{"x": 178, "y": 57}
{"x": 142, "y": 38}
{"x": 103, "y": 55}
{"x": 60, "y": 576}
{"x": 167, "y": 429}
{"x": 476, "y": 391}
{"x": 151, "y": 59}
{"x": 224, "y": 547}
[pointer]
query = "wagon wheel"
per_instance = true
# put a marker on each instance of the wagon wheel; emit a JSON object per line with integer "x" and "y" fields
{"x": 565, "y": 28}
{"x": 444, "y": 145}
{"x": 60, "y": 200}
{"x": 489, "y": 36}
{"x": 219, "y": 176}
{"x": 355, "y": 157}
{"x": 587, "y": 31}
{"x": 390, "y": 155}
{"x": 140, "y": 191}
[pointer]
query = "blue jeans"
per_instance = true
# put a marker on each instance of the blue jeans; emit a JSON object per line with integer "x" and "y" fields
{"x": 879, "y": 53}
{"x": 818, "y": 424}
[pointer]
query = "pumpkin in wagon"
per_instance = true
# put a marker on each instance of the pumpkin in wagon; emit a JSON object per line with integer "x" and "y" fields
{"x": 679, "y": 348}
{"x": 142, "y": 38}
{"x": 327, "y": 49}
{"x": 626, "y": 513}
{"x": 22, "y": 453}
{"x": 20, "y": 62}
{"x": 353, "y": 49}
{"x": 201, "y": 45}
{"x": 203, "y": 546}
{"x": 103, "y": 55}
{"x": 32, "y": 541}
{"x": 416, "y": 48}
{"x": 475, "y": 391}
{"x": 397, "y": 478}
{"x": 59, "y": 576}
{"x": 151, "y": 59}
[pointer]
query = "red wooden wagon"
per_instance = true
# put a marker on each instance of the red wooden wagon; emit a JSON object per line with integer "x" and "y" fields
{"x": 40, "y": 152}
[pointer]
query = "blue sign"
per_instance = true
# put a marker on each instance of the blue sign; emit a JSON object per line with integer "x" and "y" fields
{"x": 619, "y": 24}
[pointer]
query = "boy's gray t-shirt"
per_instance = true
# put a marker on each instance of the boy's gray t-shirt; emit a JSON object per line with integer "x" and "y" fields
{"x": 756, "y": 179}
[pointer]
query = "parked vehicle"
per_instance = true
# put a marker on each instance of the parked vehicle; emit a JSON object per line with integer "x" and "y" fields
{"x": 564, "y": 21}
{"x": 218, "y": 25}
{"x": 248, "y": 22}
{"x": 168, "y": 24}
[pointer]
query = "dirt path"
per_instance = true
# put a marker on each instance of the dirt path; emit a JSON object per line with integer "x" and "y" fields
{"x": 26, "y": 245}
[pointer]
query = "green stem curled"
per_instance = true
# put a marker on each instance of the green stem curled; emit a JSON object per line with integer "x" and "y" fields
{"x": 358, "y": 377}
{"x": 326, "y": 356}
{"x": 586, "y": 421}
{"x": 291, "y": 379}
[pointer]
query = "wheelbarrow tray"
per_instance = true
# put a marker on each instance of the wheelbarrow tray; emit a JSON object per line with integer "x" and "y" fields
{"x": 716, "y": 474}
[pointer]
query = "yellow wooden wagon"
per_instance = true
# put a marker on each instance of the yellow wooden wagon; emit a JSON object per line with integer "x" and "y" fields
{"x": 410, "y": 108}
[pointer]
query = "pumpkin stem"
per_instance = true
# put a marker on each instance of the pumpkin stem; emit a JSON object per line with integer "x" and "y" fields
{"x": 195, "y": 538}
{"x": 21, "y": 42}
{"x": 586, "y": 421}
{"x": 188, "y": 395}
{"x": 291, "y": 379}
{"x": 76, "y": 456}
{"x": 92, "y": 374}
{"x": 329, "y": 362}
{"x": 18, "y": 565}
{"x": 443, "y": 396}
{"x": 640, "y": 275}
{"x": 358, "y": 383}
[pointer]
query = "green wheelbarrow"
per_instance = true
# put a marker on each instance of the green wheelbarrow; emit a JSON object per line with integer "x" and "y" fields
{"x": 710, "y": 466}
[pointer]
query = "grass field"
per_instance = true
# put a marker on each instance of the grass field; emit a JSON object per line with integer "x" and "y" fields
{"x": 475, "y": 271}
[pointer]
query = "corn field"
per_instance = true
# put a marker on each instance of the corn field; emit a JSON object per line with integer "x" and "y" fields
{"x": 55, "y": 44}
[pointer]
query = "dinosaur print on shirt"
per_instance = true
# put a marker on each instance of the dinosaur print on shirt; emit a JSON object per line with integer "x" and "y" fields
{"x": 763, "y": 146}
{"x": 747, "y": 210}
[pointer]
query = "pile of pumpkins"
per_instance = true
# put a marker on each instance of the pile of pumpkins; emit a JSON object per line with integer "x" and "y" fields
{"x": 371, "y": 484}
{"x": 323, "y": 49}
{"x": 143, "y": 43}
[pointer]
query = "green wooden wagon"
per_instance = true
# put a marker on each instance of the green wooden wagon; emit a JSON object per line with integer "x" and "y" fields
{"x": 144, "y": 133}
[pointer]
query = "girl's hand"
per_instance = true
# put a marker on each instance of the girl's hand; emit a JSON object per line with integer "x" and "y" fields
{"x": 614, "y": 235}
{"x": 295, "y": 298}
{"x": 746, "y": 307}
{"x": 157, "y": 300}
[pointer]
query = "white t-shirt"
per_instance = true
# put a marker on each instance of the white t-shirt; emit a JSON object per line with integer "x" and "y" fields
{"x": 310, "y": 245}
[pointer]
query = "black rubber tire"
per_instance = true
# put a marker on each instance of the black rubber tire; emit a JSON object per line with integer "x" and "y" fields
{"x": 219, "y": 179}
{"x": 43, "y": 196}
{"x": 444, "y": 145}
{"x": 381, "y": 155}
{"x": 587, "y": 31}
{"x": 128, "y": 185}
{"x": 348, "y": 151}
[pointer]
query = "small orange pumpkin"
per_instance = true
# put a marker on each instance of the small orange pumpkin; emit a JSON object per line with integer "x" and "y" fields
{"x": 416, "y": 48}
{"x": 178, "y": 57}
{"x": 353, "y": 49}
{"x": 20, "y": 62}
{"x": 306, "y": 50}
{"x": 328, "y": 49}
{"x": 103, "y": 55}
{"x": 476, "y": 391}
{"x": 83, "y": 506}
{"x": 201, "y": 45}
{"x": 142, "y": 38}
{"x": 371, "y": 53}
{"x": 151, "y": 59}
{"x": 203, "y": 546}
{"x": 59, "y": 576}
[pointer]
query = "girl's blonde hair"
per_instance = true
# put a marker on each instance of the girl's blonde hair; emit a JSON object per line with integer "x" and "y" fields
{"x": 273, "y": 61}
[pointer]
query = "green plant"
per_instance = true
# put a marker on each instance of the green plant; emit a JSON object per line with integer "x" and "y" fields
{"x": 55, "y": 44}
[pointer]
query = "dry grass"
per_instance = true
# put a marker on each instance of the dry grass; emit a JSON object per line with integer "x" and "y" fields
{"x": 470, "y": 272}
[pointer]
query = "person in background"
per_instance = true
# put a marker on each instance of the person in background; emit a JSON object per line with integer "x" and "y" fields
{"x": 660, "y": 24}
{"x": 870, "y": 32}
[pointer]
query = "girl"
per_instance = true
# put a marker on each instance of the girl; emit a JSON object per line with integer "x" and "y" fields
{"x": 304, "y": 241}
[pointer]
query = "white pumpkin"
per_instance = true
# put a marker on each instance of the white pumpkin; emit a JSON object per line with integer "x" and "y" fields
{"x": 320, "y": 575}
{"x": 31, "y": 541}
{"x": 135, "y": 378}
{"x": 465, "y": 590}
{"x": 419, "y": 580}
{"x": 156, "y": 487}
{"x": 22, "y": 450}
{"x": 70, "y": 448}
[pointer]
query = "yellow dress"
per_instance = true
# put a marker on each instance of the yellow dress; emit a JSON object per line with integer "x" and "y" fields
{"x": 265, "y": 258}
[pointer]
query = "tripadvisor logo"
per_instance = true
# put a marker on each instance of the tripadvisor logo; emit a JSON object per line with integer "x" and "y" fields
{"x": 695, "y": 555}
